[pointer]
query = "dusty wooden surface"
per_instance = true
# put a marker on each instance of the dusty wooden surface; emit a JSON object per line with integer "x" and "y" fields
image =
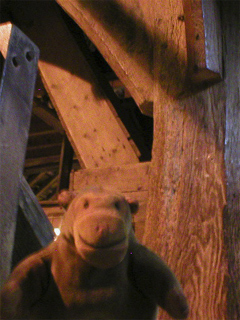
{"x": 121, "y": 32}
{"x": 86, "y": 115}
{"x": 231, "y": 27}
{"x": 187, "y": 199}
{"x": 131, "y": 180}
{"x": 187, "y": 189}
{"x": 5, "y": 32}
{"x": 203, "y": 38}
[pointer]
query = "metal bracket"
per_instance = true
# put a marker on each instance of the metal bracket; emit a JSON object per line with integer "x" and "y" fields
{"x": 16, "y": 95}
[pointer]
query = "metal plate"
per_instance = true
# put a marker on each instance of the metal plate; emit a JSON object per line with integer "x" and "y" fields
{"x": 16, "y": 95}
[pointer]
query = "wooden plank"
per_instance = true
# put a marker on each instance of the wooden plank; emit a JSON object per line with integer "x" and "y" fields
{"x": 43, "y": 150}
{"x": 129, "y": 178}
{"x": 33, "y": 229}
{"x": 231, "y": 27}
{"x": 203, "y": 37}
{"x": 43, "y": 161}
{"x": 123, "y": 32}
{"x": 65, "y": 165}
{"x": 47, "y": 115}
{"x": 83, "y": 110}
{"x": 187, "y": 189}
{"x": 35, "y": 215}
{"x": 5, "y": 33}
{"x": 119, "y": 29}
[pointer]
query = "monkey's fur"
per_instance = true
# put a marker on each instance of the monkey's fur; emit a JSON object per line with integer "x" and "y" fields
{"x": 95, "y": 269}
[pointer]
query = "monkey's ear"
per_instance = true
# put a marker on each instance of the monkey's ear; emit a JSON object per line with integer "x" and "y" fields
{"x": 133, "y": 204}
{"x": 65, "y": 197}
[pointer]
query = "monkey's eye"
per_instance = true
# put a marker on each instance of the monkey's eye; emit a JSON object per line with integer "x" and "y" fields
{"x": 117, "y": 205}
{"x": 86, "y": 204}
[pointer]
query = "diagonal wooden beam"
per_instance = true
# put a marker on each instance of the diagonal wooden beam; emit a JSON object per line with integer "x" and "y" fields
{"x": 123, "y": 31}
{"x": 86, "y": 115}
{"x": 5, "y": 33}
{"x": 123, "y": 39}
{"x": 47, "y": 115}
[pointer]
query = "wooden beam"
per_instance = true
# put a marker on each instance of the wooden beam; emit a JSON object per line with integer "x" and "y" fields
{"x": 122, "y": 37}
{"x": 35, "y": 214}
{"x": 37, "y": 179}
{"x": 49, "y": 137}
{"x": 5, "y": 33}
{"x": 47, "y": 115}
{"x": 84, "y": 111}
{"x": 65, "y": 165}
{"x": 123, "y": 32}
{"x": 51, "y": 184}
{"x": 187, "y": 186}
{"x": 204, "y": 41}
{"x": 43, "y": 161}
{"x": 48, "y": 149}
{"x": 128, "y": 178}
{"x": 33, "y": 229}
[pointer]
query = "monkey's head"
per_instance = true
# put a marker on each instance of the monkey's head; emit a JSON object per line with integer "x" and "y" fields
{"x": 99, "y": 223}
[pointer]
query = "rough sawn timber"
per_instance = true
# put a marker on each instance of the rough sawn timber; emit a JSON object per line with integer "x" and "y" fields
{"x": 187, "y": 191}
{"x": 86, "y": 115}
{"x": 123, "y": 32}
{"x": 120, "y": 31}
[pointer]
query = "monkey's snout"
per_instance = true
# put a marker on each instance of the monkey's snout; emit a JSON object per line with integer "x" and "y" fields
{"x": 102, "y": 232}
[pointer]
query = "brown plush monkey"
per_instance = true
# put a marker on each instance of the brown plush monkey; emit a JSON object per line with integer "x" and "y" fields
{"x": 95, "y": 269}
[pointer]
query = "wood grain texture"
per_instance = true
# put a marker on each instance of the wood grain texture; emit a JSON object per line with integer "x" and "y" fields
{"x": 120, "y": 30}
{"x": 126, "y": 178}
{"x": 5, "y": 32}
{"x": 123, "y": 32}
{"x": 187, "y": 199}
{"x": 231, "y": 27}
{"x": 187, "y": 193}
{"x": 204, "y": 45}
{"x": 85, "y": 113}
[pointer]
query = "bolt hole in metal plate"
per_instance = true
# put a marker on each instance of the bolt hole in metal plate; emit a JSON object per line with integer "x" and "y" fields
{"x": 30, "y": 56}
{"x": 15, "y": 62}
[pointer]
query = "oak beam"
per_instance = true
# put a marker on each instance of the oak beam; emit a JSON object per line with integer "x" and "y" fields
{"x": 47, "y": 115}
{"x": 123, "y": 32}
{"x": 119, "y": 31}
{"x": 187, "y": 191}
{"x": 85, "y": 113}
{"x": 126, "y": 178}
{"x": 204, "y": 41}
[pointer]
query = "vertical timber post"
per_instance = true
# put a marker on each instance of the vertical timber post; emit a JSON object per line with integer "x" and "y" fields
{"x": 187, "y": 191}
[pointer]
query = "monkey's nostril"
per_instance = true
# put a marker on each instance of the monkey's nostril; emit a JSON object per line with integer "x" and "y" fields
{"x": 86, "y": 204}
{"x": 102, "y": 229}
